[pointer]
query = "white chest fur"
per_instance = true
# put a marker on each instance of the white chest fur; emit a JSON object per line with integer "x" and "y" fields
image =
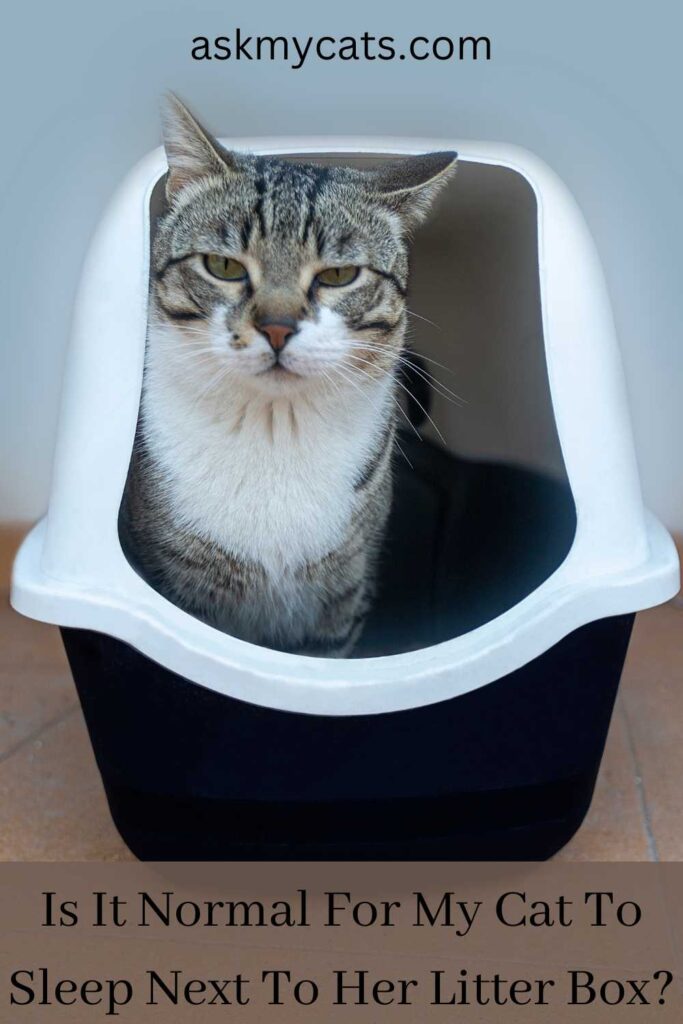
{"x": 268, "y": 479}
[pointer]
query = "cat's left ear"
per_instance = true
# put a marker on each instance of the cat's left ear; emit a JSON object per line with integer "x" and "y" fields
{"x": 410, "y": 186}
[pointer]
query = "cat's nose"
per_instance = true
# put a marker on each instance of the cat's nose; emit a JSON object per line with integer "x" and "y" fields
{"x": 278, "y": 332}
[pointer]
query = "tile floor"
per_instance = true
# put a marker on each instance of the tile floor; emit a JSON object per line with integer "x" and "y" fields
{"x": 52, "y": 806}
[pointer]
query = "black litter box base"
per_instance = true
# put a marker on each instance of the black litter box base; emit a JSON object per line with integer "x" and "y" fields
{"x": 206, "y": 830}
{"x": 504, "y": 772}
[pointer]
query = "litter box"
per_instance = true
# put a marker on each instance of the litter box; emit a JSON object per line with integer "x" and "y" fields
{"x": 471, "y": 721}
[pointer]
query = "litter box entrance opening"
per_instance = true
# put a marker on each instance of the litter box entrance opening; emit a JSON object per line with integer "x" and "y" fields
{"x": 483, "y": 512}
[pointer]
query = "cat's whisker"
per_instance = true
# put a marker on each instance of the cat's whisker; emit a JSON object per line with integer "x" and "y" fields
{"x": 371, "y": 347}
{"x": 357, "y": 371}
{"x": 213, "y": 384}
{"x": 336, "y": 389}
{"x": 162, "y": 325}
{"x": 349, "y": 380}
{"x": 419, "y": 316}
{"x": 434, "y": 383}
{"x": 398, "y": 405}
{"x": 398, "y": 445}
{"x": 394, "y": 399}
{"x": 426, "y": 375}
{"x": 400, "y": 355}
{"x": 193, "y": 358}
{"x": 189, "y": 352}
{"x": 420, "y": 406}
{"x": 410, "y": 424}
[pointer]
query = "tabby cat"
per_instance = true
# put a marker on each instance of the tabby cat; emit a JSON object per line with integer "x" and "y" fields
{"x": 260, "y": 482}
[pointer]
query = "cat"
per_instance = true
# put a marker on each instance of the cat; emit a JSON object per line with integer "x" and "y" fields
{"x": 260, "y": 482}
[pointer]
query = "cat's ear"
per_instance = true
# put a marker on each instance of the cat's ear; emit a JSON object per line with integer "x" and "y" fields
{"x": 410, "y": 186}
{"x": 191, "y": 151}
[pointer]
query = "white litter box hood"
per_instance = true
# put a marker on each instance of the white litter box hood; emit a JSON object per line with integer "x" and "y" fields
{"x": 71, "y": 570}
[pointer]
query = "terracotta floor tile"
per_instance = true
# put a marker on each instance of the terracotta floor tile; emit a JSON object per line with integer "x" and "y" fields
{"x": 652, "y": 691}
{"x": 31, "y": 700}
{"x": 52, "y": 805}
{"x": 614, "y": 829}
{"x": 11, "y": 536}
{"x": 35, "y": 682}
{"x": 25, "y": 643}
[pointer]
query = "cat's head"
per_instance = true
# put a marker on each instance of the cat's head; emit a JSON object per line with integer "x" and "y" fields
{"x": 283, "y": 274}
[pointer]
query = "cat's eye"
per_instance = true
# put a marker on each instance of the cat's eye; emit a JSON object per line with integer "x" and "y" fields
{"x": 225, "y": 267}
{"x": 337, "y": 277}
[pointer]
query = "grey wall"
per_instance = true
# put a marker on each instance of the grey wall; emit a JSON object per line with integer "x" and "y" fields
{"x": 592, "y": 88}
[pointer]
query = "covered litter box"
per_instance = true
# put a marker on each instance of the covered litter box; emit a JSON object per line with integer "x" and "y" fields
{"x": 472, "y": 722}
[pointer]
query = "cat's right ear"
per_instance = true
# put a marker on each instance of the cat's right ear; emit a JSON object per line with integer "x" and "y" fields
{"x": 191, "y": 151}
